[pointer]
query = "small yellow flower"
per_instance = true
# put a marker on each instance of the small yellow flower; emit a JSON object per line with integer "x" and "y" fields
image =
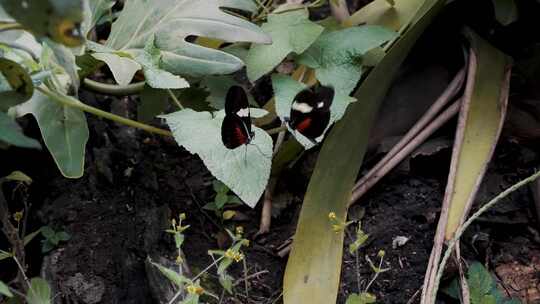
{"x": 230, "y": 254}
{"x": 337, "y": 228}
{"x": 240, "y": 230}
{"x": 245, "y": 243}
{"x": 238, "y": 257}
{"x": 194, "y": 289}
{"x": 332, "y": 216}
{"x": 18, "y": 216}
{"x": 182, "y": 216}
{"x": 179, "y": 260}
{"x": 381, "y": 253}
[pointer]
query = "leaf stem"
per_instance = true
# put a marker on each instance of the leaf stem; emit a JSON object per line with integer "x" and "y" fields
{"x": 276, "y": 130}
{"x": 113, "y": 89}
{"x": 74, "y": 103}
{"x": 10, "y": 27}
{"x": 467, "y": 223}
{"x": 176, "y": 101}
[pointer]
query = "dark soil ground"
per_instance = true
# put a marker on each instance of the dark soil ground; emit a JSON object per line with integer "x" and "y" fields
{"x": 135, "y": 183}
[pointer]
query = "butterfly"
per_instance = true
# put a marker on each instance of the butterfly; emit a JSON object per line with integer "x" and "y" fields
{"x": 236, "y": 126}
{"x": 310, "y": 112}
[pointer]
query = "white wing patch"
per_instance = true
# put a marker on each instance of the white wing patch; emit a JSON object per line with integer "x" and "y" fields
{"x": 243, "y": 112}
{"x": 320, "y": 105}
{"x": 302, "y": 107}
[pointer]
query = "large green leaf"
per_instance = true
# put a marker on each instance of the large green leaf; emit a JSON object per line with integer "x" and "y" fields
{"x": 481, "y": 119}
{"x": 336, "y": 57}
{"x": 64, "y": 131}
{"x": 58, "y": 19}
{"x": 171, "y": 21}
{"x": 93, "y": 11}
{"x": 16, "y": 86}
{"x": 245, "y": 170}
{"x": 39, "y": 292}
{"x": 11, "y": 133}
{"x": 291, "y": 32}
{"x": 4, "y": 290}
{"x": 313, "y": 269}
{"x": 123, "y": 68}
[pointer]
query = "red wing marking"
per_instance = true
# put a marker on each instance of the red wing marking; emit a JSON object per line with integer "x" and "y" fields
{"x": 304, "y": 125}
{"x": 240, "y": 136}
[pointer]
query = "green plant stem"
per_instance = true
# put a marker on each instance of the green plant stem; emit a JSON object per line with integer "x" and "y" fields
{"x": 113, "y": 89}
{"x": 467, "y": 223}
{"x": 10, "y": 27}
{"x": 72, "y": 102}
{"x": 276, "y": 130}
{"x": 176, "y": 101}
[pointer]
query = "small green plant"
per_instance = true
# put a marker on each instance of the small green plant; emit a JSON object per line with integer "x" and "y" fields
{"x": 52, "y": 238}
{"x": 364, "y": 297}
{"x": 222, "y": 260}
{"x": 222, "y": 199}
{"x": 482, "y": 288}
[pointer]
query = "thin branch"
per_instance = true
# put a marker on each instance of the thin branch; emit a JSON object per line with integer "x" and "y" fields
{"x": 176, "y": 101}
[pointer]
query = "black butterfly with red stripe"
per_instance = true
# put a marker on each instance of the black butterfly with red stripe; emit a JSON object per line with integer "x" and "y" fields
{"x": 236, "y": 126}
{"x": 310, "y": 111}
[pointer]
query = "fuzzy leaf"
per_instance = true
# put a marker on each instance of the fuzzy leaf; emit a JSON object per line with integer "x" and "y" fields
{"x": 291, "y": 32}
{"x": 171, "y": 21}
{"x": 122, "y": 68}
{"x": 11, "y": 133}
{"x": 64, "y": 130}
{"x": 336, "y": 55}
{"x": 245, "y": 170}
{"x": 39, "y": 292}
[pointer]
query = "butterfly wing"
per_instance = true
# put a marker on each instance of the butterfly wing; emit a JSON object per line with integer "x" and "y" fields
{"x": 236, "y": 104}
{"x": 310, "y": 111}
{"x": 234, "y": 132}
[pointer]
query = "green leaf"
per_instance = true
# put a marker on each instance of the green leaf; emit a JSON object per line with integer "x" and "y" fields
{"x": 58, "y": 19}
{"x": 221, "y": 200}
{"x": 363, "y": 298}
{"x": 65, "y": 58}
{"x": 314, "y": 265}
{"x": 123, "y": 68}
{"x": 173, "y": 276}
{"x": 156, "y": 77}
{"x": 229, "y": 214}
{"x": 171, "y": 21}
{"x": 63, "y": 236}
{"x": 218, "y": 86}
{"x": 5, "y": 255}
{"x": 480, "y": 122}
{"x": 219, "y": 187}
{"x": 12, "y": 134}
{"x": 153, "y": 102}
{"x": 226, "y": 282}
{"x": 191, "y": 299}
{"x": 223, "y": 265}
{"x": 245, "y": 5}
{"x": 29, "y": 237}
{"x": 178, "y": 240}
{"x": 64, "y": 130}
{"x": 506, "y": 11}
{"x": 480, "y": 283}
{"x": 47, "y": 232}
{"x": 16, "y": 85}
{"x": 47, "y": 246}
{"x": 39, "y": 292}
{"x": 291, "y": 32}
{"x": 335, "y": 56}
{"x": 93, "y": 11}
{"x": 245, "y": 170}
{"x": 4, "y": 290}
{"x": 286, "y": 88}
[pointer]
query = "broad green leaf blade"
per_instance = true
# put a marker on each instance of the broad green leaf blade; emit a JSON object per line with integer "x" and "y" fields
{"x": 480, "y": 122}
{"x": 122, "y": 68}
{"x": 291, "y": 32}
{"x": 64, "y": 130}
{"x": 176, "y": 278}
{"x": 335, "y": 55}
{"x": 314, "y": 266}
{"x": 12, "y": 134}
{"x": 245, "y": 170}
{"x": 480, "y": 283}
{"x": 39, "y": 292}
{"x": 93, "y": 11}
{"x": 4, "y": 290}
{"x": 286, "y": 88}
{"x": 16, "y": 85}
{"x": 171, "y": 21}
{"x": 245, "y": 5}
{"x": 153, "y": 102}
{"x": 506, "y": 11}
{"x": 380, "y": 12}
{"x": 58, "y": 19}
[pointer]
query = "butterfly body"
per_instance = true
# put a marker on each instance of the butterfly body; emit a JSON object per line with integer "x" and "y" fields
{"x": 310, "y": 112}
{"x": 236, "y": 127}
